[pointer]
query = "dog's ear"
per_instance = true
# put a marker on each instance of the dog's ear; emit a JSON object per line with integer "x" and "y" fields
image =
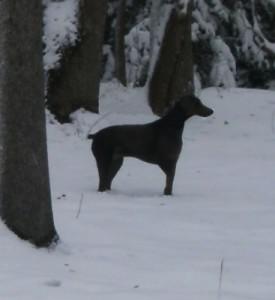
{"x": 187, "y": 102}
{"x": 169, "y": 107}
{"x": 192, "y": 105}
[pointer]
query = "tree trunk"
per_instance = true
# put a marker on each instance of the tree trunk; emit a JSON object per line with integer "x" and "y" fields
{"x": 25, "y": 201}
{"x": 76, "y": 82}
{"x": 172, "y": 76}
{"x": 182, "y": 81}
{"x": 120, "y": 67}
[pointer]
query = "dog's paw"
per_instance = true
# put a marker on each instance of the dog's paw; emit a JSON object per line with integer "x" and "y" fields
{"x": 167, "y": 192}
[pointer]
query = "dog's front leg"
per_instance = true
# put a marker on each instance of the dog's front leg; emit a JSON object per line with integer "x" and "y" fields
{"x": 169, "y": 168}
{"x": 169, "y": 183}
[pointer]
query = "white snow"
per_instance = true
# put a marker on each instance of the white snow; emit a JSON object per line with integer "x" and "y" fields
{"x": 268, "y": 45}
{"x": 134, "y": 243}
{"x": 220, "y": 10}
{"x": 224, "y": 65}
{"x": 60, "y": 29}
{"x": 137, "y": 50}
{"x": 249, "y": 48}
{"x": 183, "y": 5}
{"x": 207, "y": 27}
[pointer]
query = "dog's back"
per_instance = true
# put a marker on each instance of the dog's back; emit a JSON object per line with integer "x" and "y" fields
{"x": 127, "y": 140}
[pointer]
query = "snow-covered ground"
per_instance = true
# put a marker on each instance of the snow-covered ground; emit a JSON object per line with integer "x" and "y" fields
{"x": 133, "y": 242}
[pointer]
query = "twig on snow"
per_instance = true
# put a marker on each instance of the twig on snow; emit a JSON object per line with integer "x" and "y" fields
{"x": 80, "y": 206}
{"x": 220, "y": 280}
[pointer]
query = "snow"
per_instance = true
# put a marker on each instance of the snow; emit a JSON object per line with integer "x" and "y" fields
{"x": 135, "y": 243}
{"x": 268, "y": 45}
{"x": 221, "y": 10}
{"x": 60, "y": 29}
{"x": 224, "y": 65}
{"x": 110, "y": 63}
{"x": 249, "y": 48}
{"x": 183, "y": 5}
{"x": 137, "y": 50}
{"x": 207, "y": 27}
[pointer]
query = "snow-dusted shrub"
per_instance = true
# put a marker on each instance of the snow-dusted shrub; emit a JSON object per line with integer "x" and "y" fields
{"x": 60, "y": 29}
{"x": 229, "y": 45}
{"x": 137, "y": 51}
{"x": 224, "y": 65}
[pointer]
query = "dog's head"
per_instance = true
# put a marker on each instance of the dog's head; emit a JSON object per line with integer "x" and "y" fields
{"x": 192, "y": 106}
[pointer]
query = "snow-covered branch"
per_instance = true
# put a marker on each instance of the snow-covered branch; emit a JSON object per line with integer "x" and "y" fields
{"x": 266, "y": 44}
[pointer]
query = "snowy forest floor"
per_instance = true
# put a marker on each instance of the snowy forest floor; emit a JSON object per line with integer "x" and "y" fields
{"x": 135, "y": 243}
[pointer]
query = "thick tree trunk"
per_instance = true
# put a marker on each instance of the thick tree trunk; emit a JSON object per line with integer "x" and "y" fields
{"x": 172, "y": 76}
{"x": 76, "y": 82}
{"x": 25, "y": 201}
{"x": 120, "y": 67}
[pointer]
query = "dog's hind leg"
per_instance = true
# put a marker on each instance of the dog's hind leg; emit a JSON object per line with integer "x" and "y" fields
{"x": 169, "y": 168}
{"x": 113, "y": 169}
{"x": 103, "y": 166}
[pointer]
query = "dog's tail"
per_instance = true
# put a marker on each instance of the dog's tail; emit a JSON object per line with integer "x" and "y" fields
{"x": 90, "y": 136}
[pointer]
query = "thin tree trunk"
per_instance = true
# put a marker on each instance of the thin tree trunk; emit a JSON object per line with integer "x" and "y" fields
{"x": 76, "y": 82}
{"x": 120, "y": 67}
{"x": 25, "y": 201}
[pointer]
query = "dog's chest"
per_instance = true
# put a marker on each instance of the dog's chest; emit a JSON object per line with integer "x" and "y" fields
{"x": 169, "y": 146}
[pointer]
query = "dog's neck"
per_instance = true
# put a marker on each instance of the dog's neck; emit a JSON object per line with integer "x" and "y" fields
{"x": 175, "y": 118}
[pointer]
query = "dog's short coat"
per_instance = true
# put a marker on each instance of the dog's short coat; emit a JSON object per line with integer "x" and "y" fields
{"x": 158, "y": 142}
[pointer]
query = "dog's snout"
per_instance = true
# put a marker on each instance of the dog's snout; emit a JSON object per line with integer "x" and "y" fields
{"x": 205, "y": 111}
{"x": 211, "y": 111}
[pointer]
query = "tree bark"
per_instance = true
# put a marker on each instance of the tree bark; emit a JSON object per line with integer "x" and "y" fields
{"x": 120, "y": 67}
{"x": 183, "y": 75}
{"x": 75, "y": 83}
{"x": 172, "y": 76}
{"x": 25, "y": 201}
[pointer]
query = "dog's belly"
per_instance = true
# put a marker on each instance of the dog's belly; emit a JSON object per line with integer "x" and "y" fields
{"x": 156, "y": 154}
{"x": 149, "y": 159}
{"x": 147, "y": 155}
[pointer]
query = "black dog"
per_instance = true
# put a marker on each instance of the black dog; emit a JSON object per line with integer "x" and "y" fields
{"x": 158, "y": 142}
